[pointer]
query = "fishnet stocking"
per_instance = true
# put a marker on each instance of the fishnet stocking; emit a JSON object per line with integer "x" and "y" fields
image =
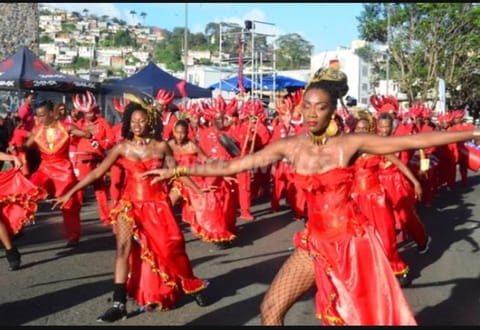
{"x": 293, "y": 280}
{"x": 124, "y": 243}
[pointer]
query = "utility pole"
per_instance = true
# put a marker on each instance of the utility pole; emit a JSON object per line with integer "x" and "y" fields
{"x": 186, "y": 42}
{"x": 220, "y": 62}
{"x": 388, "y": 47}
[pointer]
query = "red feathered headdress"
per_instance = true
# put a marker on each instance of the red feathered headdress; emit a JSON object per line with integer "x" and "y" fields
{"x": 210, "y": 111}
{"x": 164, "y": 97}
{"x": 85, "y": 102}
{"x": 120, "y": 105}
{"x": 253, "y": 108}
{"x": 382, "y": 103}
{"x": 284, "y": 106}
{"x": 231, "y": 108}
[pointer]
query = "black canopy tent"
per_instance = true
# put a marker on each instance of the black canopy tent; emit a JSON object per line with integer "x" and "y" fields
{"x": 151, "y": 79}
{"x": 24, "y": 70}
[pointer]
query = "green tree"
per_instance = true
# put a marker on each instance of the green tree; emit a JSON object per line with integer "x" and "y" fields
{"x": 428, "y": 41}
{"x": 293, "y": 52}
{"x": 68, "y": 27}
{"x": 45, "y": 39}
{"x": 123, "y": 38}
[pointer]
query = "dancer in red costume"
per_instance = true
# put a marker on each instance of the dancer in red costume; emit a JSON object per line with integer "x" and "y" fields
{"x": 447, "y": 166}
{"x": 91, "y": 151}
{"x": 198, "y": 210}
{"x": 262, "y": 177}
{"x": 461, "y": 160}
{"x": 151, "y": 263}
{"x": 424, "y": 161}
{"x": 339, "y": 249}
{"x": 252, "y": 135}
{"x": 55, "y": 173}
{"x": 372, "y": 199}
{"x": 223, "y": 219}
{"x": 117, "y": 174}
{"x": 18, "y": 204}
{"x": 25, "y": 111}
{"x": 168, "y": 118}
{"x": 193, "y": 115}
{"x": 282, "y": 173}
{"x": 404, "y": 191}
{"x": 19, "y": 137}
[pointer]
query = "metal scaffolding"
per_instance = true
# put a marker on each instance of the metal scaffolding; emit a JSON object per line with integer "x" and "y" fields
{"x": 256, "y": 62}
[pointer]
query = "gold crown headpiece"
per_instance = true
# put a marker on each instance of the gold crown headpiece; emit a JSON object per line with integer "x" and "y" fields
{"x": 333, "y": 74}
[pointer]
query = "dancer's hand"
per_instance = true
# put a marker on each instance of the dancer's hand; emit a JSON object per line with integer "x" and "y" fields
{"x": 418, "y": 190}
{"x": 230, "y": 179}
{"x": 59, "y": 201}
{"x": 158, "y": 174}
{"x": 17, "y": 163}
{"x": 209, "y": 189}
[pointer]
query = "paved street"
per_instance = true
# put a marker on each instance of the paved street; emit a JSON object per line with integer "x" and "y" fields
{"x": 62, "y": 286}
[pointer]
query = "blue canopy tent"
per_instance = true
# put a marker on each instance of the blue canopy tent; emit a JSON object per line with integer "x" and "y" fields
{"x": 265, "y": 82}
{"x": 24, "y": 70}
{"x": 231, "y": 84}
{"x": 151, "y": 79}
{"x": 281, "y": 82}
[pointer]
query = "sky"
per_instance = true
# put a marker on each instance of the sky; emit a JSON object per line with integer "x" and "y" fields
{"x": 326, "y": 26}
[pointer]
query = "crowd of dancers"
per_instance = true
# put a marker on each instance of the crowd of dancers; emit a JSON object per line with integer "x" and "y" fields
{"x": 356, "y": 193}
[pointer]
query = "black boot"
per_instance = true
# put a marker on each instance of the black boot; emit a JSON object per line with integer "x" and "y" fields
{"x": 117, "y": 312}
{"x": 201, "y": 298}
{"x": 13, "y": 258}
{"x": 404, "y": 279}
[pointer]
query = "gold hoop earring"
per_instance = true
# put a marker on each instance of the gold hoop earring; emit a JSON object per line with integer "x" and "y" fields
{"x": 332, "y": 128}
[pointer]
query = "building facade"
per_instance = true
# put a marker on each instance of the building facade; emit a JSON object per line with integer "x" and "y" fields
{"x": 356, "y": 69}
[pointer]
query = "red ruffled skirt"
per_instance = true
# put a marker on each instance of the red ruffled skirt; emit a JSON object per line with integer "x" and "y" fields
{"x": 18, "y": 200}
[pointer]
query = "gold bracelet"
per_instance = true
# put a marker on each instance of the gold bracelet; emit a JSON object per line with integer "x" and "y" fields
{"x": 182, "y": 171}
{"x": 179, "y": 171}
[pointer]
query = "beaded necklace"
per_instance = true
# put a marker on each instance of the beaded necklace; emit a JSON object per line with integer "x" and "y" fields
{"x": 142, "y": 142}
{"x": 317, "y": 139}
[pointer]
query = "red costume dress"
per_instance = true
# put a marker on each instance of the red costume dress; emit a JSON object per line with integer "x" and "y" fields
{"x": 283, "y": 177}
{"x": 401, "y": 193}
{"x": 160, "y": 271}
{"x": 429, "y": 178}
{"x": 354, "y": 280}
{"x": 168, "y": 120}
{"x": 116, "y": 171}
{"x": 201, "y": 210}
{"x": 371, "y": 197}
{"x": 405, "y": 128}
{"x": 55, "y": 173}
{"x": 461, "y": 159}
{"x": 19, "y": 137}
{"x": 221, "y": 221}
{"x": 90, "y": 153}
{"x": 239, "y": 133}
{"x": 18, "y": 200}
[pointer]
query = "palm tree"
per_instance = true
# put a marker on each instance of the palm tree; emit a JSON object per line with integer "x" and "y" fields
{"x": 133, "y": 13}
{"x": 143, "y": 15}
{"x": 85, "y": 12}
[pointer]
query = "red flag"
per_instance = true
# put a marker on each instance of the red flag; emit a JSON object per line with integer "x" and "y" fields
{"x": 181, "y": 86}
{"x": 240, "y": 67}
